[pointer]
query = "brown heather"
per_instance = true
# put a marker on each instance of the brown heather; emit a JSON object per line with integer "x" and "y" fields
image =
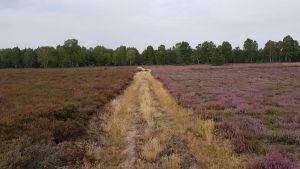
{"x": 44, "y": 113}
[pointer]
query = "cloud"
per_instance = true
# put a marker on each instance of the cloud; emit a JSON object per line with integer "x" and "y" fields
{"x": 32, "y": 23}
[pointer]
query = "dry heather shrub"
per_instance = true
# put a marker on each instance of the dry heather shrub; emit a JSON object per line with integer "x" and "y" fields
{"x": 171, "y": 162}
{"x": 44, "y": 114}
{"x": 153, "y": 148}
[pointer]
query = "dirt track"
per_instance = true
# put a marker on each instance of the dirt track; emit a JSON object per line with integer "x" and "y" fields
{"x": 146, "y": 128}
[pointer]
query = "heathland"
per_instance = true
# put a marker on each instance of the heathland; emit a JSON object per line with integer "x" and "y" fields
{"x": 256, "y": 106}
{"x": 45, "y": 113}
{"x": 197, "y": 116}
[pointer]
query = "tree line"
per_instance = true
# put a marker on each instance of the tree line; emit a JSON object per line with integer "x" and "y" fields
{"x": 71, "y": 54}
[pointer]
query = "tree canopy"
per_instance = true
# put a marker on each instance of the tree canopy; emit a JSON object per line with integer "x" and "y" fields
{"x": 250, "y": 50}
{"x": 148, "y": 56}
{"x": 71, "y": 54}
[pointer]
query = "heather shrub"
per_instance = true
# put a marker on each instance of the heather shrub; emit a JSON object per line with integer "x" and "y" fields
{"x": 67, "y": 112}
{"x": 244, "y": 145}
{"x": 289, "y": 138}
{"x": 43, "y": 155}
{"x": 36, "y": 146}
{"x": 251, "y": 128}
{"x": 272, "y": 161}
{"x": 297, "y": 118}
{"x": 241, "y": 143}
{"x": 215, "y": 106}
{"x": 101, "y": 99}
{"x": 227, "y": 129}
{"x": 251, "y": 104}
{"x": 272, "y": 112}
{"x": 232, "y": 132}
{"x": 69, "y": 153}
{"x": 65, "y": 130}
{"x": 209, "y": 115}
{"x": 9, "y": 127}
{"x": 44, "y": 113}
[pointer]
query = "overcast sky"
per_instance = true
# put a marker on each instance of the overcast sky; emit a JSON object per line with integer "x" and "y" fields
{"x": 32, "y": 23}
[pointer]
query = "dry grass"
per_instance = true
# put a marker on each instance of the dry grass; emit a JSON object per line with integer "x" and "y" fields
{"x": 171, "y": 162}
{"x": 154, "y": 147}
{"x": 205, "y": 130}
{"x": 122, "y": 109}
{"x": 120, "y": 129}
{"x": 146, "y": 105}
{"x": 119, "y": 122}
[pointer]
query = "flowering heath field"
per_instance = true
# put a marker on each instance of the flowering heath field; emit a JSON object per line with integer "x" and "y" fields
{"x": 256, "y": 106}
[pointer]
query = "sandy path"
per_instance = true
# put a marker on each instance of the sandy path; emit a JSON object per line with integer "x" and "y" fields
{"x": 148, "y": 129}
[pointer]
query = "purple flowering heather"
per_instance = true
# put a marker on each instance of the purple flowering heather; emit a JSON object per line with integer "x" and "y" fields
{"x": 272, "y": 161}
{"x": 256, "y": 106}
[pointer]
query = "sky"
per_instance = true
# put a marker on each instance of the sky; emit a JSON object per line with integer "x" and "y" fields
{"x": 139, "y": 23}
